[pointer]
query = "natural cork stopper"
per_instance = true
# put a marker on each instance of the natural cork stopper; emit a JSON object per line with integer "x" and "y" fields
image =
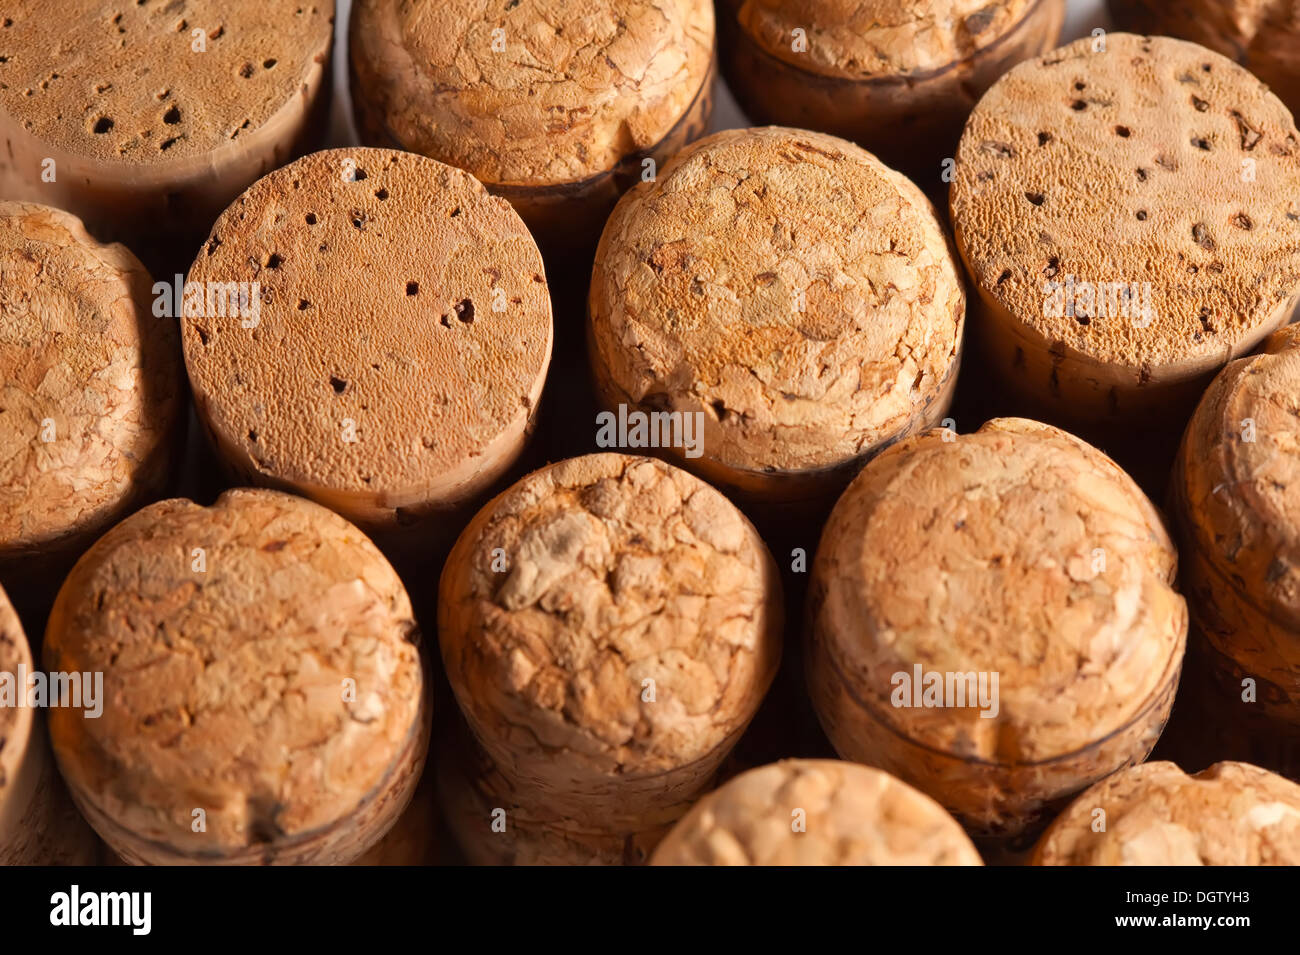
{"x": 401, "y": 339}
{"x": 1155, "y": 169}
{"x": 260, "y": 664}
{"x": 609, "y": 626}
{"x": 1229, "y": 814}
{"x": 817, "y": 812}
{"x": 90, "y": 384}
{"x": 528, "y": 92}
{"x": 1017, "y": 552}
{"x": 789, "y": 287}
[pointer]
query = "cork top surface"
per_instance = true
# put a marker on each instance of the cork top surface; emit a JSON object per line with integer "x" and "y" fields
{"x": 788, "y": 285}
{"x": 15, "y": 722}
{"x": 853, "y": 38}
{"x": 852, "y": 815}
{"x": 395, "y": 294}
{"x": 89, "y": 378}
{"x": 1229, "y": 814}
{"x": 1156, "y": 166}
{"x": 613, "y": 570}
{"x": 1241, "y": 474}
{"x": 530, "y": 92}
{"x": 1019, "y": 551}
{"x": 226, "y": 682}
{"x": 126, "y": 83}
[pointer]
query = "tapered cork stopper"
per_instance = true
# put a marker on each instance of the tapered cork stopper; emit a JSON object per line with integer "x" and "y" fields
{"x": 792, "y": 292}
{"x": 264, "y": 697}
{"x": 395, "y": 353}
{"x": 1131, "y": 219}
{"x": 817, "y": 812}
{"x": 1028, "y": 575}
{"x": 1155, "y": 814}
{"x": 609, "y": 626}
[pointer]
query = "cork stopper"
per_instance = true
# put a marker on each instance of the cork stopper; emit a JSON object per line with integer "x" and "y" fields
{"x": 397, "y": 340}
{"x": 1155, "y": 814}
{"x": 15, "y": 721}
{"x": 817, "y": 812}
{"x": 790, "y": 289}
{"x": 609, "y": 626}
{"x": 1130, "y": 218}
{"x": 264, "y": 697}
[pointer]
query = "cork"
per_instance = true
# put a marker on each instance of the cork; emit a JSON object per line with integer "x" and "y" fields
{"x": 789, "y": 291}
{"x": 264, "y": 697}
{"x": 38, "y": 823}
{"x": 414, "y": 839}
{"x": 609, "y": 626}
{"x": 555, "y": 106}
{"x": 1155, "y": 814}
{"x": 91, "y": 387}
{"x": 1235, "y": 502}
{"x": 899, "y": 78}
{"x": 1018, "y": 553}
{"x": 147, "y": 119}
{"x": 399, "y": 345}
{"x": 1160, "y": 174}
{"x": 817, "y": 812}
{"x": 1262, "y": 36}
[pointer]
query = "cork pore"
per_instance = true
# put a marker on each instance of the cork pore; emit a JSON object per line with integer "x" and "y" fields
{"x": 1230, "y": 814}
{"x": 1017, "y": 550}
{"x": 563, "y": 92}
{"x": 787, "y": 285}
{"x": 1129, "y": 166}
{"x": 85, "y": 364}
{"x": 225, "y": 687}
{"x": 853, "y": 815}
{"x": 395, "y": 294}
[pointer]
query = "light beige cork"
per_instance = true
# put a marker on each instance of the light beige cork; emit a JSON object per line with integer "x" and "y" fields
{"x": 1235, "y": 500}
{"x": 1261, "y": 35}
{"x": 1155, "y": 814}
{"x": 1016, "y": 552}
{"x": 1155, "y": 169}
{"x": 155, "y": 115}
{"x": 38, "y": 823}
{"x": 90, "y": 385}
{"x": 260, "y": 664}
{"x": 609, "y": 626}
{"x": 790, "y": 289}
{"x": 816, "y": 812}
{"x": 396, "y": 361}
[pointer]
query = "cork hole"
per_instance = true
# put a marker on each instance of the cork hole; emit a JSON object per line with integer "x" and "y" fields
{"x": 1123, "y": 132}
{"x": 311, "y": 218}
{"x": 1078, "y": 106}
{"x": 465, "y": 311}
{"x": 167, "y": 144}
{"x": 412, "y": 288}
{"x": 102, "y": 125}
{"x": 1201, "y": 143}
{"x": 247, "y": 71}
{"x": 303, "y": 305}
{"x": 274, "y": 261}
{"x": 1044, "y": 138}
{"x": 172, "y": 116}
{"x": 8, "y": 22}
{"x": 1006, "y": 274}
{"x": 338, "y": 384}
{"x": 381, "y": 194}
{"x": 1037, "y": 198}
{"x": 1142, "y": 215}
{"x": 1142, "y": 175}
{"x": 252, "y": 436}
{"x": 1242, "y": 221}
{"x": 358, "y": 174}
{"x": 268, "y": 64}
{"x": 1053, "y": 266}
{"x": 1083, "y": 319}
{"x": 454, "y": 213}
{"x": 720, "y": 409}
{"x": 1200, "y": 104}
{"x": 1080, "y": 85}
{"x": 203, "y": 335}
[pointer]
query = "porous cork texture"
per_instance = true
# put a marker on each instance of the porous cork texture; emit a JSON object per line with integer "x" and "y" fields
{"x": 609, "y": 625}
{"x": 38, "y": 823}
{"x": 1155, "y": 814}
{"x": 1235, "y": 500}
{"x": 90, "y": 383}
{"x": 1156, "y": 165}
{"x": 153, "y": 126}
{"x": 898, "y": 77}
{"x": 816, "y": 812}
{"x": 402, "y": 340}
{"x": 1019, "y": 551}
{"x": 791, "y": 288}
{"x": 1261, "y": 35}
{"x": 260, "y": 664}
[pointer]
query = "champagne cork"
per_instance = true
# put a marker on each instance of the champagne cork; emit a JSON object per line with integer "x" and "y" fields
{"x": 991, "y": 619}
{"x": 1155, "y": 814}
{"x": 392, "y": 357}
{"x": 147, "y": 119}
{"x": 92, "y": 391}
{"x": 788, "y": 295}
{"x": 817, "y": 812}
{"x": 609, "y": 626}
{"x": 897, "y": 77}
{"x": 264, "y": 697}
{"x": 557, "y": 107}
